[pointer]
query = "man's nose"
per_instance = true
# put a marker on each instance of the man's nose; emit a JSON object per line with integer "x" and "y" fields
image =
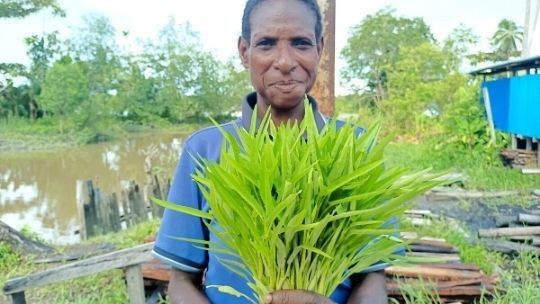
{"x": 285, "y": 61}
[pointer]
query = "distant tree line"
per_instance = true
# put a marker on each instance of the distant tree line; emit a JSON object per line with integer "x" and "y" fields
{"x": 394, "y": 65}
{"x": 396, "y": 68}
{"x": 89, "y": 83}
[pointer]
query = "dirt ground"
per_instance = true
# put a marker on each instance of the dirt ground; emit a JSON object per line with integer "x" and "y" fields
{"x": 478, "y": 214}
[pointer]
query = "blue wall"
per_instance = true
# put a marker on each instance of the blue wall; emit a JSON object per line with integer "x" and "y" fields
{"x": 515, "y": 104}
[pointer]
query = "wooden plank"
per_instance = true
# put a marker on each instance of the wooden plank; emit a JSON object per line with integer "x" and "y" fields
{"x": 458, "y": 266}
{"x": 530, "y": 170}
{"x": 438, "y": 285}
{"x": 432, "y": 272}
{"x": 135, "y": 284}
{"x": 80, "y": 207}
{"x": 472, "y": 194}
{"x": 117, "y": 259}
{"x": 448, "y": 257}
{"x": 114, "y": 212}
{"x": 90, "y": 211}
{"x": 432, "y": 249}
{"x": 102, "y": 205}
{"x": 156, "y": 270}
{"x": 127, "y": 211}
{"x": 528, "y": 144}
{"x": 18, "y": 298}
{"x": 496, "y": 232}
{"x": 434, "y": 243}
{"x": 530, "y": 219}
{"x": 514, "y": 142}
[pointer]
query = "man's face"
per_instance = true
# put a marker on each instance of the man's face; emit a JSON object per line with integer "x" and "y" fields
{"x": 283, "y": 54}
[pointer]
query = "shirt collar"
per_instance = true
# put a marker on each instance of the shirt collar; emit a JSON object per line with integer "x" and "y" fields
{"x": 250, "y": 101}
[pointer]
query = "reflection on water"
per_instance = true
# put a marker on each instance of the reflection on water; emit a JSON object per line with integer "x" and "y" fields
{"x": 38, "y": 189}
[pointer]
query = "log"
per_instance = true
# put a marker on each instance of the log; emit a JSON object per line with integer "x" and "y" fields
{"x": 505, "y": 220}
{"x": 21, "y": 243}
{"x": 510, "y": 247}
{"x": 530, "y": 219}
{"x": 530, "y": 240}
{"x": 512, "y": 231}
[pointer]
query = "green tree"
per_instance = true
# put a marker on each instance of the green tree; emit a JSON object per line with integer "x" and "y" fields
{"x": 65, "y": 89}
{"x": 23, "y": 8}
{"x": 506, "y": 38}
{"x": 413, "y": 86}
{"x": 42, "y": 52}
{"x": 458, "y": 45}
{"x": 374, "y": 46}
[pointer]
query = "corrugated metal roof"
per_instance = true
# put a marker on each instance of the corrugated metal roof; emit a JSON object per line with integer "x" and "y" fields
{"x": 510, "y": 65}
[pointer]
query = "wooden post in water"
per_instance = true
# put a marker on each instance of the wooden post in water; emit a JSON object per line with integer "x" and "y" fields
{"x": 324, "y": 88}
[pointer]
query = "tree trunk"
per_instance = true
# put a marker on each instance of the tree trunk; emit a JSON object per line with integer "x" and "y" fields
{"x": 21, "y": 243}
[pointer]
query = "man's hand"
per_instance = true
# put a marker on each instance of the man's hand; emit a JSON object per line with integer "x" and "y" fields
{"x": 296, "y": 297}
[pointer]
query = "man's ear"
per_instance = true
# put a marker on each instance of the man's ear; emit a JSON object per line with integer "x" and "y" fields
{"x": 243, "y": 48}
{"x": 320, "y": 47}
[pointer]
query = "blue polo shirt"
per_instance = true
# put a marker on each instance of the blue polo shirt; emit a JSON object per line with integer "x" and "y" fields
{"x": 186, "y": 256}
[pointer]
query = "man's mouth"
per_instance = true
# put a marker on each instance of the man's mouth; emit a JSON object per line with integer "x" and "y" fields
{"x": 286, "y": 86}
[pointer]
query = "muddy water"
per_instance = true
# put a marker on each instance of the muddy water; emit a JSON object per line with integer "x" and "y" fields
{"x": 38, "y": 189}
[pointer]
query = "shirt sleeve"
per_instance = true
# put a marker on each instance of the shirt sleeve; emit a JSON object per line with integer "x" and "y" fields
{"x": 184, "y": 255}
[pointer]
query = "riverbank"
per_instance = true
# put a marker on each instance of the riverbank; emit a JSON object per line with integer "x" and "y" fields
{"x": 19, "y": 137}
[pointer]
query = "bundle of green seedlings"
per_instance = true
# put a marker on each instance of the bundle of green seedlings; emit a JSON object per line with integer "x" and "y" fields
{"x": 303, "y": 209}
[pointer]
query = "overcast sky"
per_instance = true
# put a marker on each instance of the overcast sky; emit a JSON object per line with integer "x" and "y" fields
{"x": 218, "y": 21}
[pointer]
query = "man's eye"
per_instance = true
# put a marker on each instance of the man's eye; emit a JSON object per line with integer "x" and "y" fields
{"x": 302, "y": 44}
{"x": 265, "y": 44}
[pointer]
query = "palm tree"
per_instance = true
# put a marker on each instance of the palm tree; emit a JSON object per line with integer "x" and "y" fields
{"x": 506, "y": 38}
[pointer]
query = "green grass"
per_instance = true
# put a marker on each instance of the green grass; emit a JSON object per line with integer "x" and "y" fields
{"x": 484, "y": 170}
{"x": 106, "y": 287}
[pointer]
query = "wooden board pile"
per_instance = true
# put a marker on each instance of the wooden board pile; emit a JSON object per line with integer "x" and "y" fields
{"x": 520, "y": 158}
{"x": 452, "y": 280}
{"x": 514, "y": 233}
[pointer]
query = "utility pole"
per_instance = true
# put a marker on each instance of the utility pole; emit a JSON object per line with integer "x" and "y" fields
{"x": 324, "y": 88}
{"x": 531, "y": 21}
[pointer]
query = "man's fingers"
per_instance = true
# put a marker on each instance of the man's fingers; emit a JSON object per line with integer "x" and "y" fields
{"x": 295, "y": 297}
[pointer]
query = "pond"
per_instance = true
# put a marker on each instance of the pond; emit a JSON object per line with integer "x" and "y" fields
{"x": 38, "y": 188}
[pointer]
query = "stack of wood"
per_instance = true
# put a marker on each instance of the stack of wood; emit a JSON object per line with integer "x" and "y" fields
{"x": 514, "y": 234}
{"x": 520, "y": 158}
{"x": 452, "y": 281}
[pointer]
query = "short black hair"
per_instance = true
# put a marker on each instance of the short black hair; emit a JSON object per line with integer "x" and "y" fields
{"x": 252, "y": 4}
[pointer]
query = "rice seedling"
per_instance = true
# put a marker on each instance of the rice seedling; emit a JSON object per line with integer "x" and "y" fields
{"x": 303, "y": 209}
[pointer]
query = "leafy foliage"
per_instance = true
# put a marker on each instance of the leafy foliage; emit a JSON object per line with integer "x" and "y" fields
{"x": 317, "y": 211}
{"x": 23, "y": 8}
{"x": 374, "y": 46}
{"x": 506, "y": 39}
